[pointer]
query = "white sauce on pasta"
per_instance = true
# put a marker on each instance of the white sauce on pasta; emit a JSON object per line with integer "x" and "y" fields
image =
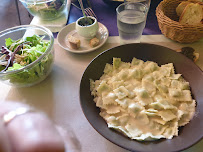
{"x": 143, "y": 100}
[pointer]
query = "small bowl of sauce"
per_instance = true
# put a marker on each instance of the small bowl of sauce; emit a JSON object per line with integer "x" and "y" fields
{"x": 87, "y": 27}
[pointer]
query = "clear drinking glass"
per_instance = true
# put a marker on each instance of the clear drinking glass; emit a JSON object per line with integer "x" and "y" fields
{"x": 145, "y": 2}
{"x": 131, "y": 20}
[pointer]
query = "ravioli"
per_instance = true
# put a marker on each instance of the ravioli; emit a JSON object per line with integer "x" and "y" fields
{"x": 142, "y": 100}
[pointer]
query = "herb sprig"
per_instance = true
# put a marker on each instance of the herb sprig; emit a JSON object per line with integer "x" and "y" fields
{"x": 86, "y": 21}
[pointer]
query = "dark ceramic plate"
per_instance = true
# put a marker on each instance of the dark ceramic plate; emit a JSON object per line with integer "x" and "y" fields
{"x": 188, "y": 135}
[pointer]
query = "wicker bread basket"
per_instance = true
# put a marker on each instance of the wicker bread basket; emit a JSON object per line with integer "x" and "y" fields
{"x": 171, "y": 28}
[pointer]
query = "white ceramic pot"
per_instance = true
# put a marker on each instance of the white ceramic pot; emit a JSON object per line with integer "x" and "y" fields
{"x": 87, "y": 31}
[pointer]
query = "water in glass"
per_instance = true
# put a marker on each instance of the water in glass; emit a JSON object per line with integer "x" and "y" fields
{"x": 130, "y": 25}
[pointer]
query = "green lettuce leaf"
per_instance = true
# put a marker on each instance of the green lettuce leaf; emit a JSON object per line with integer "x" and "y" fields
{"x": 35, "y": 39}
{"x": 15, "y": 66}
{"x": 8, "y": 42}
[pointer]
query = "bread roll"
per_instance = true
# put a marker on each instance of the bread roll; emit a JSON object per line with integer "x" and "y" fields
{"x": 192, "y": 14}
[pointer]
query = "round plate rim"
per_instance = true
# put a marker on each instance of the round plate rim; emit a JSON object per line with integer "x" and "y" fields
{"x": 82, "y": 51}
{"x": 106, "y": 137}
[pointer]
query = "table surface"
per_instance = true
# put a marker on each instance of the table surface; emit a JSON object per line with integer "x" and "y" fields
{"x": 58, "y": 95}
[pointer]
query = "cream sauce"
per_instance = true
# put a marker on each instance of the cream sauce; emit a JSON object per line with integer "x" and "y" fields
{"x": 143, "y": 100}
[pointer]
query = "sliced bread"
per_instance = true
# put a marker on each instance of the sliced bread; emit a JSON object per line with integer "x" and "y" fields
{"x": 94, "y": 42}
{"x": 192, "y": 14}
{"x": 181, "y": 7}
{"x": 74, "y": 42}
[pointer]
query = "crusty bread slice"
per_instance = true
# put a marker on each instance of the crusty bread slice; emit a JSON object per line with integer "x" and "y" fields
{"x": 189, "y": 52}
{"x": 181, "y": 7}
{"x": 74, "y": 42}
{"x": 196, "y": 57}
{"x": 192, "y": 14}
{"x": 94, "y": 42}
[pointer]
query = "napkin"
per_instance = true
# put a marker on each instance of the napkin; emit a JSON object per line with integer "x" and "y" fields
{"x": 54, "y": 25}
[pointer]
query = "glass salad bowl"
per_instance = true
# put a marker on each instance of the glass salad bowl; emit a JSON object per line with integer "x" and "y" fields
{"x": 26, "y": 55}
{"x": 45, "y": 9}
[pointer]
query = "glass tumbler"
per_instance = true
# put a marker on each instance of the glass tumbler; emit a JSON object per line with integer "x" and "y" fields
{"x": 131, "y": 20}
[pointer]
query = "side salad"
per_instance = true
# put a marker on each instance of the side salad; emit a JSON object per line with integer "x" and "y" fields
{"x": 17, "y": 54}
{"x": 47, "y": 9}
